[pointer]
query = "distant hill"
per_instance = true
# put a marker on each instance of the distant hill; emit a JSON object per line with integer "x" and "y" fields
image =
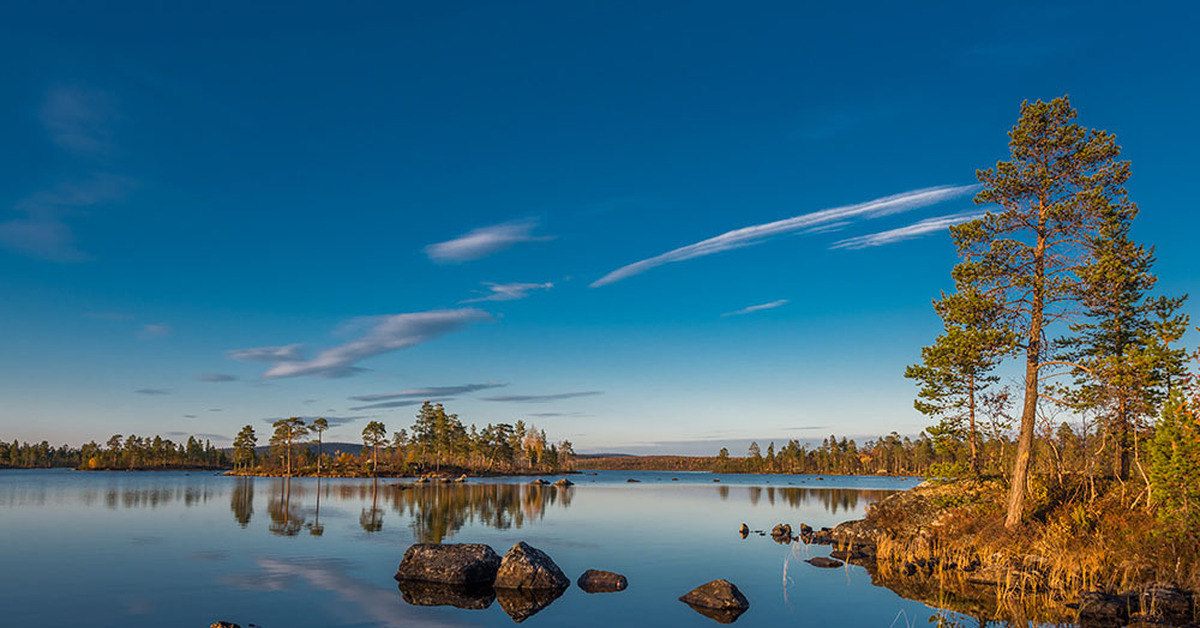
{"x": 331, "y": 449}
{"x": 626, "y": 462}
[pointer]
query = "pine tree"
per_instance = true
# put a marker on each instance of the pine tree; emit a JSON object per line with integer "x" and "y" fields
{"x": 957, "y": 368}
{"x": 1031, "y": 255}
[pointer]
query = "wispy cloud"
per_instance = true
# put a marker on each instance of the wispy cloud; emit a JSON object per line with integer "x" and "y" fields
{"x": 154, "y": 331}
{"x": 384, "y": 334}
{"x": 430, "y": 391}
{"x": 549, "y": 415}
{"x": 509, "y": 291}
{"x": 284, "y": 353}
{"x": 334, "y": 421}
{"x": 109, "y": 316}
{"x": 404, "y": 403}
{"x": 201, "y": 436}
{"x": 79, "y": 120}
{"x": 153, "y": 391}
{"x": 42, "y": 232}
{"x": 484, "y": 241}
{"x": 756, "y": 234}
{"x": 543, "y": 398}
{"x": 757, "y": 308}
{"x": 915, "y": 230}
{"x": 216, "y": 377}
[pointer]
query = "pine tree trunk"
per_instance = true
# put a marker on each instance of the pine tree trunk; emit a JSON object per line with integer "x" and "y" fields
{"x": 1033, "y": 357}
{"x": 974, "y": 436}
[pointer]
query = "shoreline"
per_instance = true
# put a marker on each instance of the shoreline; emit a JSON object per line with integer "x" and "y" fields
{"x": 938, "y": 543}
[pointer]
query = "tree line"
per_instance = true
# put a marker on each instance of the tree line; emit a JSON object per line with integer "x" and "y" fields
{"x": 117, "y": 453}
{"x": 436, "y": 442}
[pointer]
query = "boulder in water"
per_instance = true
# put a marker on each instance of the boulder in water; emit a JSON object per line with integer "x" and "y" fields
{"x": 526, "y": 567}
{"x": 465, "y": 563}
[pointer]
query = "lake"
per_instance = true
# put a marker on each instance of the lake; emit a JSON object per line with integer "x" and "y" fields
{"x": 187, "y": 549}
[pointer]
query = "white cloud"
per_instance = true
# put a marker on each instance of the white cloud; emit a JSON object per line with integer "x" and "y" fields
{"x": 429, "y": 391}
{"x": 42, "y": 232}
{"x": 756, "y": 234}
{"x": 285, "y": 353}
{"x": 509, "y": 291}
{"x": 385, "y": 334}
{"x": 157, "y": 330}
{"x": 484, "y": 241}
{"x": 79, "y": 120}
{"x": 543, "y": 398}
{"x": 757, "y": 308}
{"x": 915, "y": 230}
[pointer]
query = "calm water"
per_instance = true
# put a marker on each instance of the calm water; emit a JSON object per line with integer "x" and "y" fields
{"x": 176, "y": 549}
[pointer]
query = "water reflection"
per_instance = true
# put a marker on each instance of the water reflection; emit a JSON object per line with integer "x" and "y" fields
{"x": 371, "y": 518}
{"x": 285, "y": 521}
{"x": 521, "y": 604}
{"x": 241, "y": 501}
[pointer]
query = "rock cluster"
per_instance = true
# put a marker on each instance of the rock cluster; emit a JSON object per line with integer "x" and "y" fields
{"x": 471, "y": 576}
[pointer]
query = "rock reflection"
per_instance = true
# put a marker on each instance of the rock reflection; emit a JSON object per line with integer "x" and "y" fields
{"x": 472, "y": 598}
{"x": 719, "y": 615}
{"x": 521, "y": 604}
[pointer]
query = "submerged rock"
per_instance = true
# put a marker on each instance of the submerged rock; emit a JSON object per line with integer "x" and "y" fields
{"x": 465, "y": 563}
{"x": 224, "y": 624}
{"x": 824, "y": 562}
{"x": 597, "y": 581}
{"x": 521, "y": 604}
{"x": 1166, "y": 602}
{"x": 1097, "y": 609}
{"x": 472, "y": 597}
{"x": 526, "y": 567}
{"x": 718, "y": 594}
{"x": 632, "y": 480}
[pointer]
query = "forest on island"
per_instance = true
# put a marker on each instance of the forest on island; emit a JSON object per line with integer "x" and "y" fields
{"x": 437, "y": 442}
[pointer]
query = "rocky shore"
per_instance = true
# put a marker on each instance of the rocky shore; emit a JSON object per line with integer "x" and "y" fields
{"x": 932, "y": 543}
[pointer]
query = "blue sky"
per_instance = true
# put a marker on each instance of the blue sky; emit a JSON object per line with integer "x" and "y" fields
{"x": 640, "y": 226}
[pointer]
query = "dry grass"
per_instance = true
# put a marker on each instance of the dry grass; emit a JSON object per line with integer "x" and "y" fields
{"x": 952, "y": 538}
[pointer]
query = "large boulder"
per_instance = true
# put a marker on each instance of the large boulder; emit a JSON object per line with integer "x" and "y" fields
{"x": 596, "y": 581}
{"x": 473, "y": 597}
{"x": 521, "y": 604}
{"x": 465, "y": 563}
{"x": 526, "y": 567}
{"x": 719, "y": 600}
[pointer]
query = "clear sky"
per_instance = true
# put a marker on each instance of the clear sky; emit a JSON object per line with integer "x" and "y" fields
{"x": 640, "y": 226}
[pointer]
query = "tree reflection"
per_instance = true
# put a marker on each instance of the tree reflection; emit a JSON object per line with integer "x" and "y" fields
{"x": 832, "y": 499}
{"x": 371, "y": 519}
{"x": 315, "y": 528}
{"x": 241, "y": 501}
{"x": 284, "y": 520}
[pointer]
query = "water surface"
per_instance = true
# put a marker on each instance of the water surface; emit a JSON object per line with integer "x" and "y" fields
{"x": 186, "y": 549}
